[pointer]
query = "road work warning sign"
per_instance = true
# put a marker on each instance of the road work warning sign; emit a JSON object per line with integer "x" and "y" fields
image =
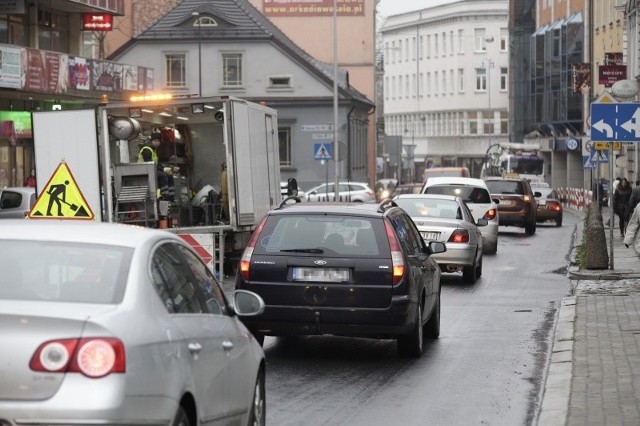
{"x": 61, "y": 198}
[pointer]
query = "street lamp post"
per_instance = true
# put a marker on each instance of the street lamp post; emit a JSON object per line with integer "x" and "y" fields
{"x": 197, "y": 16}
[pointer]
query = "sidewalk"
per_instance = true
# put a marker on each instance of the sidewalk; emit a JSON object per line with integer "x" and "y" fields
{"x": 593, "y": 377}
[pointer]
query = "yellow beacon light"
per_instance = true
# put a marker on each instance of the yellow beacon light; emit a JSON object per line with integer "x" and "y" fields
{"x": 152, "y": 97}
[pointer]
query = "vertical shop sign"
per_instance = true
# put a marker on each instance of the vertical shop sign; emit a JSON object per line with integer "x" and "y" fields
{"x": 10, "y": 67}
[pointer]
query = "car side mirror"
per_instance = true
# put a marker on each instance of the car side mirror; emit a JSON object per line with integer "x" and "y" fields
{"x": 247, "y": 303}
{"x": 537, "y": 194}
{"x": 437, "y": 247}
{"x": 482, "y": 222}
{"x": 496, "y": 200}
{"x": 292, "y": 187}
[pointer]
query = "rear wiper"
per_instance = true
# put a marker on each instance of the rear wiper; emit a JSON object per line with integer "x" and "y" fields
{"x": 304, "y": 250}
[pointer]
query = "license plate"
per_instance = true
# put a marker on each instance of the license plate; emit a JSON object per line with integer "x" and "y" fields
{"x": 505, "y": 202}
{"x": 323, "y": 275}
{"x": 430, "y": 236}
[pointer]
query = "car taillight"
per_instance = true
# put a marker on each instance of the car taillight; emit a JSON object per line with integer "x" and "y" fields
{"x": 554, "y": 206}
{"x": 245, "y": 261}
{"x": 397, "y": 260}
{"x": 459, "y": 236}
{"x": 490, "y": 214}
{"x": 94, "y": 357}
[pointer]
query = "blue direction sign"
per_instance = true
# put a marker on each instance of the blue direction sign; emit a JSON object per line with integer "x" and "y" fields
{"x": 322, "y": 151}
{"x": 615, "y": 122}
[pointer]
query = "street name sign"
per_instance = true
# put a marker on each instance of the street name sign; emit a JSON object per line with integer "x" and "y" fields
{"x": 615, "y": 122}
{"x": 317, "y": 127}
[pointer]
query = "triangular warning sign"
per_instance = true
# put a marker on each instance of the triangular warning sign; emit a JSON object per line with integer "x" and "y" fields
{"x": 61, "y": 198}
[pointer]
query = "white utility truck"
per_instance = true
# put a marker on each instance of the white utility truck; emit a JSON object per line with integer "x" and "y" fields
{"x": 99, "y": 148}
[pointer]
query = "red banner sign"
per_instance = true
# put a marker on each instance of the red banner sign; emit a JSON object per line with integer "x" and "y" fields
{"x": 97, "y": 22}
{"x": 609, "y": 74}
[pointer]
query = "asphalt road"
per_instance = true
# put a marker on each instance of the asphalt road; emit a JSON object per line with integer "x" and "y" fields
{"x": 486, "y": 368}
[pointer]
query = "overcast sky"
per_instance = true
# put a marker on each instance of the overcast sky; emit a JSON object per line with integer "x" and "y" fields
{"x": 394, "y": 7}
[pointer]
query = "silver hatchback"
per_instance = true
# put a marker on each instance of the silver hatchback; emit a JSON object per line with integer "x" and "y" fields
{"x": 357, "y": 192}
{"x": 115, "y": 324}
{"x": 16, "y": 202}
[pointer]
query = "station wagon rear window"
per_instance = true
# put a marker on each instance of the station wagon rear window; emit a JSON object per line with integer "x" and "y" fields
{"x": 323, "y": 235}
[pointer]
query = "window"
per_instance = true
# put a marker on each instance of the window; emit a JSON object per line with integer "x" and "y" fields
{"x": 407, "y": 83}
{"x": 452, "y": 81}
{"x": 444, "y": 44}
{"x": 232, "y": 69}
{"x": 421, "y": 47}
{"x": 205, "y": 21}
{"x": 400, "y": 87}
{"x": 435, "y": 47}
{"x": 428, "y": 84}
{"x": 399, "y": 50}
{"x": 436, "y": 83}
{"x": 480, "y": 35}
{"x": 444, "y": 82}
{"x": 12, "y": 29}
{"x": 175, "y": 70}
{"x": 460, "y": 79}
{"x": 53, "y": 31}
{"x": 427, "y": 47}
{"x": 460, "y": 41}
{"x": 174, "y": 283}
{"x": 451, "y": 43}
{"x": 481, "y": 79}
{"x": 406, "y": 50}
{"x": 504, "y": 74}
{"x": 414, "y": 88}
{"x": 213, "y": 295}
{"x": 284, "y": 143}
{"x": 504, "y": 39}
{"x": 280, "y": 82}
{"x": 413, "y": 49}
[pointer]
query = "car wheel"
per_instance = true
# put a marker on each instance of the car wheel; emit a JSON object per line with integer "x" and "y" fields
{"x": 469, "y": 273}
{"x": 432, "y": 328}
{"x": 530, "y": 228}
{"x": 181, "y": 418}
{"x": 559, "y": 222}
{"x": 411, "y": 344}
{"x": 257, "y": 416}
{"x": 479, "y": 268}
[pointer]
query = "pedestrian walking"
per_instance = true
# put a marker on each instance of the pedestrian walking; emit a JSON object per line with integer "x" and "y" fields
{"x": 635, "y": 196}
{"x": 621, "y": 198}
{"x": 632, "y": 236}
{"x": 614, "y": 186}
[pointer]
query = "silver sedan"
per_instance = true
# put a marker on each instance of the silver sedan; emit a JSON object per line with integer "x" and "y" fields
{"x": 115, "y": 324}
{"x": 447, "y": 218}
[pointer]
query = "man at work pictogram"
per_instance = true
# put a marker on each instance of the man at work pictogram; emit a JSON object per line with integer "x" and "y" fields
{"x": 57, "y": 194}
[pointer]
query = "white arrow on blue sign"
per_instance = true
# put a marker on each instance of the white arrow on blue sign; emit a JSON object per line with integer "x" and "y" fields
{"x": 615, "y": 122}
{"x": 322, "y": 151}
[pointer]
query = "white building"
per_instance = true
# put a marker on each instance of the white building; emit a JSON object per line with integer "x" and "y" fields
{"x": 446, "y": 82}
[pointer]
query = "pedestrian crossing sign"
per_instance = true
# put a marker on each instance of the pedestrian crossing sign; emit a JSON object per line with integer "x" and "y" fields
{"x": 322, "y": 151}
{"x": 61, "y": 198}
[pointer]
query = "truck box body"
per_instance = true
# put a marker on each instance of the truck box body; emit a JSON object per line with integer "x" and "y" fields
{"x": 100, "y": 147}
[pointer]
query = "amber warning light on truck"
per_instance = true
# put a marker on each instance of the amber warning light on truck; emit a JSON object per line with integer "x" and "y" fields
{"x": 152, "y": 97}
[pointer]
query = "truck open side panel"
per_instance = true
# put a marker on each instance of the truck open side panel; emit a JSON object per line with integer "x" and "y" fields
{"x": 255, "y": 158}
